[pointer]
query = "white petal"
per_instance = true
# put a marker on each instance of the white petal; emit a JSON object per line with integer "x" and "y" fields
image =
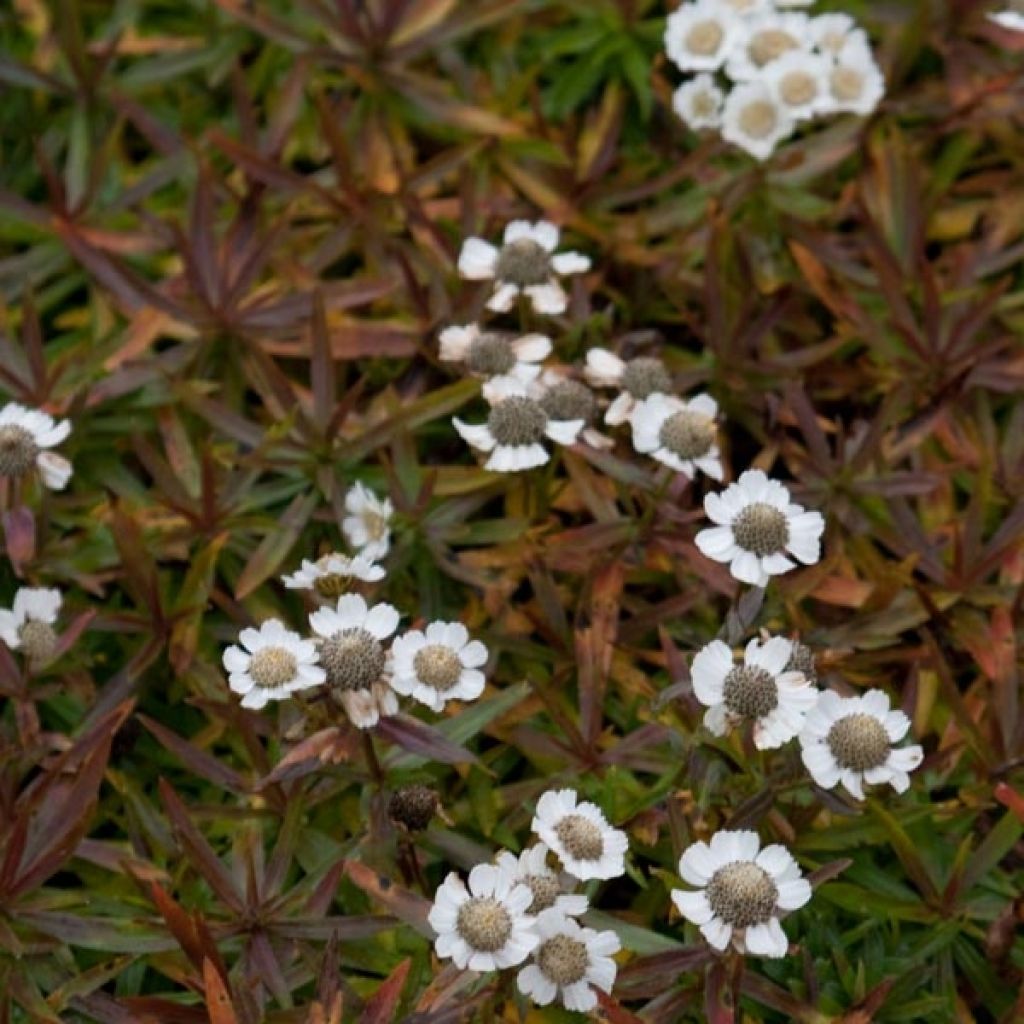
{"x": 564, "y": 431}
{"x": 570, "y": 263}
{"x": 793, "y": 893}
{"x": 477, "y": 260}
{"x": 476, "y": 435}
{"x": 473, "y": 655}
{"x": 766, "y": 939}
{"x": 455, "y": 342}
{"x": 746, "y": 567}
{"x": 698, "y": 864}
{"x": 603, "y": 368}
{"x": 777, "y": 564}
{"x": 55, "y": 470}
{"x": 694, "y": 906}
{"x": 717, "y": 543}
{"x": 772, "y": 656}
{"x": 717, "y": 932}
{"x": 549, "y": 298}
{"x": 711, "y": 665}
{"x": 532, "y": 348}
{"x": 620, "y": 409}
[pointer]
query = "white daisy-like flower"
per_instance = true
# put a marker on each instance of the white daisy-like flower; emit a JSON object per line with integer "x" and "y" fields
{"x": 850, "y": 740}
{"x": 438, "y": 665}
{"x": 569, "y": 963}
{"x": 331, "y": 574}
{"x": 495, "y": 356}
{"x": 515, "y": 428}
{"x": 754, "y": 120}
{"x": 367, "y": 527}
{"x": 698, "y": 102}
{"x": 741, "y": 891}
{"x": 28, "y": 624}
{"x": 526, "y": 263}
{"x": 547, "y": 886}
{"x": 1011, "y": 19}
{"x": 484, "y": 927}
{"x": 758, "y": 527}
{"x": 760, "y": 690}
{"x": 25, "y": 437}
{"x": 766, "y": 36}
{"x": 700, "y": 36}
{"x": 580, "y": 835}
{"x": 856, "y": 84}
{"x": 831, "y": 32}
{"x": 679, "y": 433}
{"x": 638, "y": 378}
{"x": 564, "y": 398}
{"x": 799, "y": 81}
{"x": 353, "y": 654}
{"x": 272, "y": 663}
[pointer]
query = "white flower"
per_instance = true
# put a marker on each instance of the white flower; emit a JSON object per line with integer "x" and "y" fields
{"x": 580, "y": 835}
{"x": 564, "y": 398}
{"x": 741, "y": 892}
{"x": 799, "y": 82}
{"x": 569, "y": 963}
{"x": 766, "y": 36}
{"x": 753, "y": 119}
{"x": 25, "y": 434}
{"x": 439, "y": 665}
{"x": 1009, "y": 19}
{"x": 850, "y": 740}
{"x": 526, "y": 263}
{"x": 830, "y": 32}
{"x": 330, "y": 574}
{"x": 512, "y": 435}
{"x": 700, "y": 36}
{"x": 367, "y": 526}
{"x": 352, "y": 653}
{"x": 28, "y": 624}
{"x": 760, "y": 690}
{"x": 757, "y": 525}
{"x": 484, "y": 927}
{"x": 681, "y": 434}
{"x": 639, "y": 378}
{"x": 855, "y": 81}
{"x": 698, "y": 102}
{"x": 547, "y": 886}
{"x": 271, "y": 664}
{"x": 496, "y": 356}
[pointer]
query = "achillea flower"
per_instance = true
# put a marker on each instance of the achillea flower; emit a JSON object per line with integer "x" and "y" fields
{"x": 799, "y": 82}
{"x": 855, "y": 81}
{"x": 699, "y": 102}
{"x": 760, "y": 690}
{"x": 498, "y": 357}
{"x": 547, "y": 886}
{"x": 438, "y": 665}
{"x": 569, "y": 963}
{"x": 580, "y": 835}
{"x": 28, "y": 625}
{"x": 850, "y": 740}
{"x": 25, "y": 437}
{"x": 484, "y": 927}
{"x": 701, "y": 36}
{"x": 754, "y": 120}
{"x": 638, "y": 378}
{"x": 352, "y": 652}
{"x": 766, "y": 36}
{"x": 681, "y": 434}
{"x": 741, "y": 891}
{"x": 758, "y": 527}
{"x": 367, "y": 527}
{"x": 526, "y": 263}
{"x": 331, "y": 574}
{"x": 272, "y": 663}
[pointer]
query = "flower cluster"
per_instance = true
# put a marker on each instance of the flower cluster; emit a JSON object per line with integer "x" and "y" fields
{"x": 759, "y": 71}
{"x": 353, "y": 654}
{"x": 523, "y": 907}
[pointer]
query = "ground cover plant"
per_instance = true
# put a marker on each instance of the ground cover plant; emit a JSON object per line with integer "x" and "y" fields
{"x": 511, "y": 511}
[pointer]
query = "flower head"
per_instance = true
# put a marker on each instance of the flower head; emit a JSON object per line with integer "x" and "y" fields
{"x": 25, "y": 437}
{"x": 760, "y": 690}
{"x": 679, "y": 433}
{"x": 855, "y": 81}
{"x": 331, "y": 574}
{"x": 758, "y": 527}
{"x": 28, "y": 625}
{"x": 830, "y": 32}
{"x": 272, "y": 663}
{"x": 512, "y": 435}
{"x": 698, "y": 102}
{"x": 526, "y": 263}
{"x": 580, "y": 835}
{"x": 412, "y": 807}
{"x": 754, "y": 120}
{"x": 367, "y": 527}
{"x": 799, "y": 81}
{"x": 767, "y": 35}
{"x": 741, "y": 890}
{"x": 353, "y": 654}
{"x": 547, "y": 886}
{"x": 638, "y": 378}
{"x": 850, "y": 740}
{"x": 569, "y": 963}
{"x": 701, "y": 36}
{"x": 498, "y": 357}
{"x": 438, "y": 665}
{"x": 484, "y": 927}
